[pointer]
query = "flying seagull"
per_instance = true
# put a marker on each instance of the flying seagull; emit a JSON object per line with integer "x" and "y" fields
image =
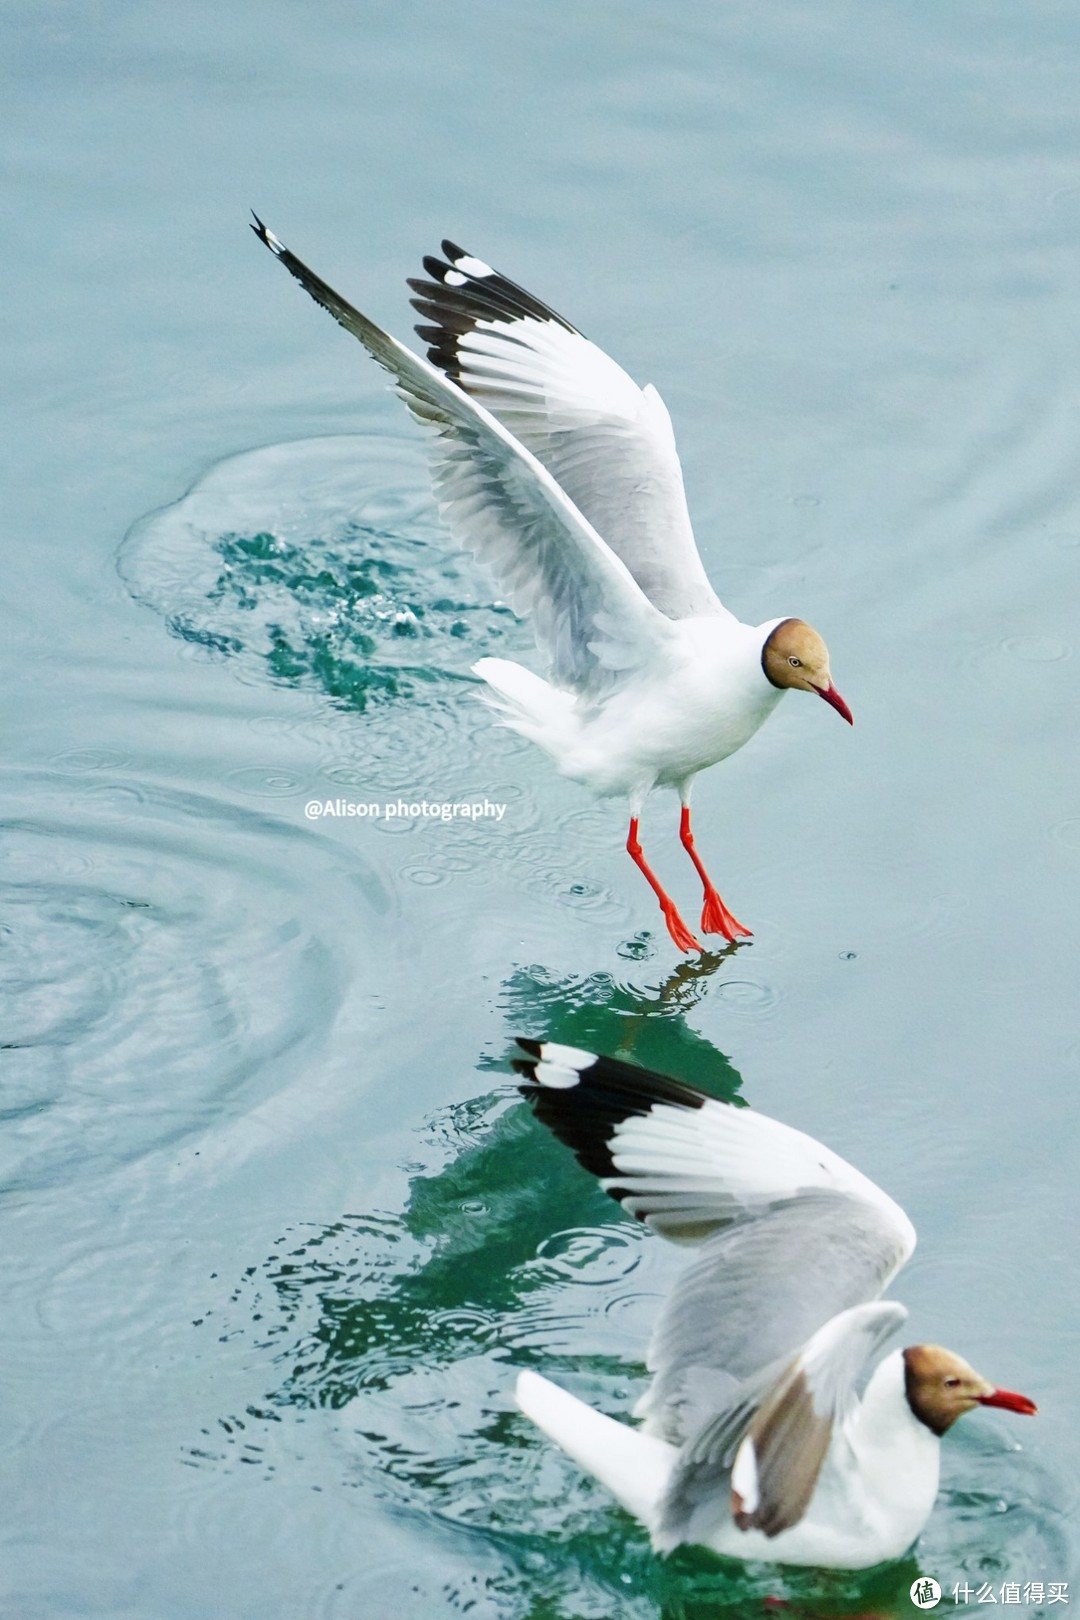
{"x": 556, "y": 469}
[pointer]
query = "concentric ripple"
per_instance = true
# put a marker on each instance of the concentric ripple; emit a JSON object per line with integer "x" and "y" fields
{"x": 160, "y": 953}
{"x": 591, "y": 1256}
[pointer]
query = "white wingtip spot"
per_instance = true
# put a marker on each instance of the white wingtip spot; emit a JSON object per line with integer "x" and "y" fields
{"x": 453, "y": 278}
{"x": 560, "y": 1066}
{"x": 555, "y": 1077}
{"x": 273, "y": 242}
{"x": 472, "y": 267}
{"x": 744, "y": 1477}
{"x": 575, "y": 1057}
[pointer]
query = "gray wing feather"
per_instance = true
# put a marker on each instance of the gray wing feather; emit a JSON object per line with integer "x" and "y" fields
{"x": 758, "y": 1459}
{"x": 623, "y": 473}
{"x": 695, "y": 1502}
{"x": 590, "y": 616}
{"x": 759, "y": 1290}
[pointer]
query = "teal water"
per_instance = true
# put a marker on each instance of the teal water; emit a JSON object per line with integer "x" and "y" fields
{"x": 275, "y": 1232}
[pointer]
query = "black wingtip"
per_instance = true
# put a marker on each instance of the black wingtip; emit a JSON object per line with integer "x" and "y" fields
{"x": 267, "y": 237}
{"x": 526, "y": 1066}
{"x": 586, "y": 1103}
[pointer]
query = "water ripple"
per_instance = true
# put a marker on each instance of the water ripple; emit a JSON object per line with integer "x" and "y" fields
{"x": 591, "y": 1256}
{"x": 411, "y": 1328}
{"x": 321, "y": 565}
{"x": 161, "y": 952}
{"x": 748, "y": 996}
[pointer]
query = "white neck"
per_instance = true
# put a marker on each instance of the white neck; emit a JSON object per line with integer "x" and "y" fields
{"x": 899, "y": 1457}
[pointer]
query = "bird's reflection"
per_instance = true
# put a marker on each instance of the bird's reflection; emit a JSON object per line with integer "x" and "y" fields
{"x": 686, "y": 984}
{"x": 457, "y": 1273}
{"x": 644, "y": 1023}
{"x": 411, "y": 1324}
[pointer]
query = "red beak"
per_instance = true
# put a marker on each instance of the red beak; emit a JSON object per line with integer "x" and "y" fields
{"x": 831, "y": 695}
{"x": 1011, "y": 1402}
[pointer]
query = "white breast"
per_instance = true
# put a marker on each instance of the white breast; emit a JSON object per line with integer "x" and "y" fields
{"x": 875, "y": 1493}
{"x": 705, "y": 706}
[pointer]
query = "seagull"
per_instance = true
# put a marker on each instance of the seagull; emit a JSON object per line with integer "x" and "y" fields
{"x": 754, "y": 1441}
{"x": 561, "y": 474}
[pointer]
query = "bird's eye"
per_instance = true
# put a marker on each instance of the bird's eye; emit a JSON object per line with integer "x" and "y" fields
{"x": 952, "y": 1383}
{"x": 796, "y": 663}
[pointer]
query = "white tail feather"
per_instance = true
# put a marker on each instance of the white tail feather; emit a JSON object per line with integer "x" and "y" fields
{"x": 528, "y": 704}
{"x": 634, "y": 1467}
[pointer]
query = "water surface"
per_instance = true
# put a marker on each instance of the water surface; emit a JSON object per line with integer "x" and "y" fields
{"x": 277, "y": 1232}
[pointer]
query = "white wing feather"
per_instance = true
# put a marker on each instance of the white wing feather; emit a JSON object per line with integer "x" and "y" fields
{"x": 590, "y": 616}
{"x": 787, "y": 1233}
{"x": 608, "y": 443}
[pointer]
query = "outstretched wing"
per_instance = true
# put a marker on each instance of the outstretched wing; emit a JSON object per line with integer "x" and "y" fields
{"x": 759, "y": 1458}
{"x": 788, "y": 1233}
{"x": 590, "y": 616}
{"x": 608, "y": 443}
{"x": 759, "y": 1289}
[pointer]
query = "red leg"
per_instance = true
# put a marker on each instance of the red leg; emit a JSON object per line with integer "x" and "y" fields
{"x": 715, "y": 918}
{"x": 678, "y": 930}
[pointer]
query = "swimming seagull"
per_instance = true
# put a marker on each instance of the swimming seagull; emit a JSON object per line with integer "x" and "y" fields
{"x": 754, "y": 1441}
{"x": 562, "y": 474}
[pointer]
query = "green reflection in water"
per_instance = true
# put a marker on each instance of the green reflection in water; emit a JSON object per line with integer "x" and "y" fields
{"x": 412, "y": 1326}
{"x": 365, "y": 616}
